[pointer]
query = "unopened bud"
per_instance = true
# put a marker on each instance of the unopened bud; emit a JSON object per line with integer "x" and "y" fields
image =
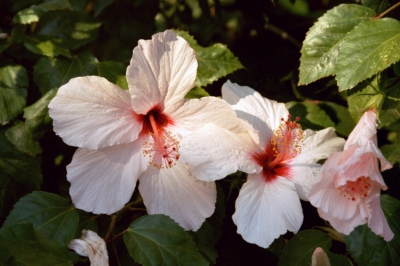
{"x": 319, "y": 258}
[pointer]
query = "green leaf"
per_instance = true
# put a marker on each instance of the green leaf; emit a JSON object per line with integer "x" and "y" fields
{"x": 44, "y": 45}
{"x": 33, "y": 13}
{"x": 391, "y": 152}
{"x": 13, "y": 83}
{"x": 369, "y": 249}
{"x": 20, "y": 169}
{"x": 37, "y": 114}
{"x": 5, "y": 41}
{"x": 52, "y": 73}
{"x": 377, "y": 5}
{"x": 365, "y": 95}
{"x": 368, "y": 49}
{"x": 49, "y": 213}
{"x": 310, "y": 114}
{"x": 114, "y": 72}
{"x": 100, "y": 5}
{"x": 340, "y": 115}
{"x": 31, "y": 248}
{"x": 214, "y": 61}
{"x": 210, "y": 231}
{"x": 87, "y": 222}
{"x": 324, "y": 40}
{"x": 335, "y": 259}
{"x": 158, "y": 240}
{"x": 197, "y": 93}
{"x": 73, "y": 28}
{"x": 301, "y": 247}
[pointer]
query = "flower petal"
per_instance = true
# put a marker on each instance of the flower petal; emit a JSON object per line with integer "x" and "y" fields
{"x": 91, "y": 112}
{"x": 305, "y": 176}
{"x": 377, "y": 222}
{"x": 176, "y": 193}
{"x": 103, "y": 181}
{"x": 214, "y": 152}
{"x": 92, "y": 246}
{"x": 318, "y": 145}
{"x": 195, "y": 113}
{"x": 263, "y": 114}
{"x": 266, "y": 210}
{"x": 162, "y": 70}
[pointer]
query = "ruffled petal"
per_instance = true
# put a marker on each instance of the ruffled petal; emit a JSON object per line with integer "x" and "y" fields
{"x": 343, "y": 226}
{"x": 91, "y": 112}
{"x": 214, "y": 152}
{"x": 103, "y": 181}
{"x": 195, "y": 113}
{"x": 377, "y": 221}
{"x": 318, "y": 145}
{"x": 92, "y": 246}
{"x": 263, "y": 114}
{"x": 364, "y": 131}
{"x": 176, "y": 193}
{"x": 162, "y": 70}
{"x": 327, "y": 198}
{"x": 266, "y": 210}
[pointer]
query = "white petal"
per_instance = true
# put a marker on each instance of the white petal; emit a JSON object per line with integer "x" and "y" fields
{"x": 92, "y": 246}
{"x": 365, "y": 130}
{"x": 305, "y": 176}
{"x": 263, "y": 114}
{"x": 174, "y": 192}
{"x": 195, "y": 113}
{"x": 318, "y": 145}
{"x": 91, "y": 112}
{"x": 264, "y": 211}
{"x": 214, "y": 152}
{"x": 162, "y": 70}
{"x": 103, "y": 181}
{"x": 343, "y": 226}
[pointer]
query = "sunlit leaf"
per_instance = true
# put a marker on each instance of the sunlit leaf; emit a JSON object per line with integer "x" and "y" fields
{"x": 214, "y": 61}
{"x": 319, "y": 53}
{"x": 197, "y": 93}
{"x": 158, "y": 240}
{"x": 20, "y": 169}
{"x": 51, "y": 73}
{"x": 37, "y": 114}
{"x": 300, "y": 248}
{"x": 310, "y": 114}
{"x": 73, "y": 28}
{"x": 114, "y": 72}
{"x": 369, "y": 48}
{"x": 44, "y": 45}
{"x": 364, "y": 96}
{"x": 31, "y": 247}
{"x": 33, "y": 13}
{"x": 13, "y": 83}
{"x": 369, "y": 249}
{"x": 49, "y": 213}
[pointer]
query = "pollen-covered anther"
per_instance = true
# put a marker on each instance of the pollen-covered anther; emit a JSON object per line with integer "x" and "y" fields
{"x": 288, "y": 138}
{"x": 162, "y": 150}
{"x": 354, "y": 190}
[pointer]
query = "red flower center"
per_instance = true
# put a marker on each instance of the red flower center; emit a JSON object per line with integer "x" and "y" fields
{"x": 284, "y": 145}
{"x": 356, "y": 189}
{"x": 163, "y": 146}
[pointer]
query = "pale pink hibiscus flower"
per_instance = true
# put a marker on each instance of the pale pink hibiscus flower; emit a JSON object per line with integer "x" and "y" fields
{"x": 348, "y": 194}
{"x": 126, "y": 136}
{"x": 281, "y": 163}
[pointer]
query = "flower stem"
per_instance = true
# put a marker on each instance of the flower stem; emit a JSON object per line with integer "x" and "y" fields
{"x": 128, "y": 207}
{"x": 387, "y": 10}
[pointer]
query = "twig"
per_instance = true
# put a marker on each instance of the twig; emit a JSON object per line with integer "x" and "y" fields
{"x": 387, "y": 10}
{"x": 284, "y": 35}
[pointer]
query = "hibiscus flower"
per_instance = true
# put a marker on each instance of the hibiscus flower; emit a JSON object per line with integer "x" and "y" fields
{"x": 281, "y": 163}
{"x": 348, "y": 194}
{"x": 92, "y": 246}
{"x": 126, "y": 136}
